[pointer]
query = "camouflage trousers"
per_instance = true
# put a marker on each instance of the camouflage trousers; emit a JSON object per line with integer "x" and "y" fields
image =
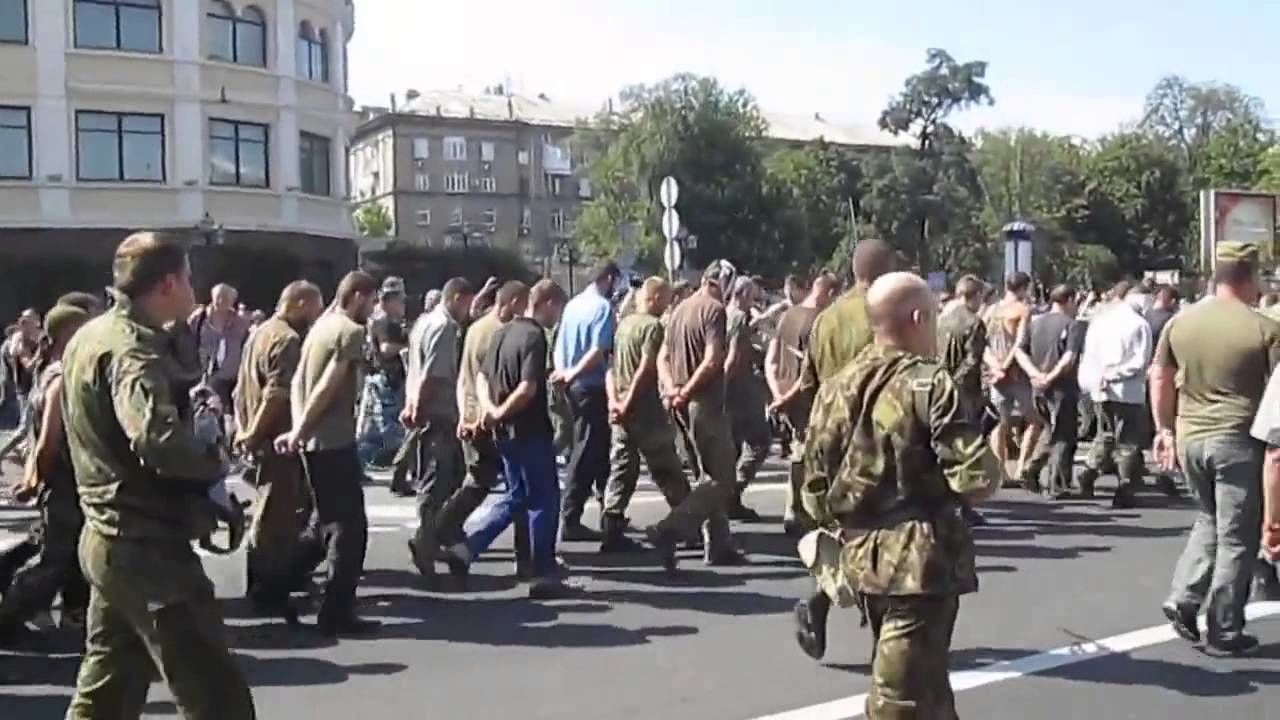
{"x": 654, "y": 440}
{"x": 378, "y": 428}
{"x": 796, "y": 420}
{"x": 151, "y": 608}
{"x": 1121, "y": 437}
{"x": 704, "y": 432}
{"x": 909, "y": 679}
{"x": 281, "y": 514}
{"x": 750, "y": 430}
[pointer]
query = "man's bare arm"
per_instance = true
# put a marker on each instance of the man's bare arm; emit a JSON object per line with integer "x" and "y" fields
{"x": 665, "y": 381}
{"x": 772, "y": 363}
{"x": 708, "y": 370}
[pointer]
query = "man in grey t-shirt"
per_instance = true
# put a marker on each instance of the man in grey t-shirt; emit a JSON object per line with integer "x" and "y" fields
{"x": 431, "y": 409}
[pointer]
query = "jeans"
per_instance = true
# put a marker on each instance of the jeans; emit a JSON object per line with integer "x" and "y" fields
{"x": 342, "y": 526}
{"x": 589, "y": 463}
{"x": 532, "y": 486}
{"x": 1224, "y": 473}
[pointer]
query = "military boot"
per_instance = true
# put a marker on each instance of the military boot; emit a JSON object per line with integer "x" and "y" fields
{"x": 738, "y": 511}
{"x": 614, "y": 538}
{"x": 1087, "y": 478}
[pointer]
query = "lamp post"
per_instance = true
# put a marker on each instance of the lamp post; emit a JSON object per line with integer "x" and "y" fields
{"x": 568, "y": 255}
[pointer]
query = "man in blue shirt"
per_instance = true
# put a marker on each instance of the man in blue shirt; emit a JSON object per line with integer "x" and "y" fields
{"x": 581, "y": 359}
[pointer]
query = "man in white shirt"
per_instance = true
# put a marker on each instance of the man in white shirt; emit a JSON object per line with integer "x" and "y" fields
{"x": 1113, "y": 367}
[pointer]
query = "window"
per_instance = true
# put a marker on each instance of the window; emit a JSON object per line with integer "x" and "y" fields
{"x": 557, "y": 221}
{"x": 489, "y": 217}
{"x": 457, "y": 182}
{"x": 424, "y": 218}
{"x": 15, "y": 142}
{"x": 522, "y": 157}
{"x": 314, "y": 158}
{"x": 584, "y": 188}
{"x": 455, "y": 148}
{"x": 526, "y": 218}
{"x": 119, "y": 146}
{"x": 118, "y": 25}
{"x": 239, "y": 39}
{"x": 488, "y": 184}
{"x": 552, "y": 184}
{"x": 486, "y": 152}
{"x": 455, "y": 217}
{"x": 13, "y": 21}
{"x": 313, "y": 53}
{"x": 421, "y": 148}
{"x": 238, "y": 154}
{"x": 422, "y": 182}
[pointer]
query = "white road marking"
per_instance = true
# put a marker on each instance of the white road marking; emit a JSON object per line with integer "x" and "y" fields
{"x": 853, "y": 707}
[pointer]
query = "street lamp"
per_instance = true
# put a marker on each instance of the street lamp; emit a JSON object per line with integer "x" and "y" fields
{"x": 568, "y": 255}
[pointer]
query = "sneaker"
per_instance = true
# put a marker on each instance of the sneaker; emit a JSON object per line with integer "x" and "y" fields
{"x": 810, "y": 618}
{"x": 1241, "y": 644}
{"x": 577, "y": 532}
{"x": 1183, "y": 621}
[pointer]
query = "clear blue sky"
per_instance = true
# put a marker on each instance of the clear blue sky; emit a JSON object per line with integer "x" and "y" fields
{"x": 1081, "y": 67}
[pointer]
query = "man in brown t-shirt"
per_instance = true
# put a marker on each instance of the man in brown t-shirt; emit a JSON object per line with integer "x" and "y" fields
{"x": 691, "y": 369}
{"x": 283, "y": 505}
{"x": 783, "y": 365}
{"x": 1222, "y": 382}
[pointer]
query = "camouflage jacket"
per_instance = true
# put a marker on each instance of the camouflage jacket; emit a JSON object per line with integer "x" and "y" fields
{"x": 887, "y": 457}
{"x": 139, "y": 468}
{"x": 962, "y": 339}
{"x": 839, "y": 333}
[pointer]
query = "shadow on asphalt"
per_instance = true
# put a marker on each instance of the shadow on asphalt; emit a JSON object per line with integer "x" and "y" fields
{"x": 34, "y": 706}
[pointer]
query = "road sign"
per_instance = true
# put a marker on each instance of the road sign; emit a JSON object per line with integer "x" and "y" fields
{"x": 671, "y": 223}
{"x": 669, "y": 193}
{"x": 672, "y": 256}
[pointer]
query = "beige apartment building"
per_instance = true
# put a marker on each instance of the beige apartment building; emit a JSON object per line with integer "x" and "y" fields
{"x": 496, "y": 169}
{"x": 229, "y": 118}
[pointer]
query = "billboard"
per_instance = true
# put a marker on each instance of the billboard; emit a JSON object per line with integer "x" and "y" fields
{"x": 1238, "y": 216}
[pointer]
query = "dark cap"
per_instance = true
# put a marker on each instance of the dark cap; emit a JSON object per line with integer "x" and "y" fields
{"x": 392, "y": 286}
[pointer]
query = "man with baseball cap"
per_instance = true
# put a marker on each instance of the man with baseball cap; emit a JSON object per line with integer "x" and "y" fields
{"x": 383, "y": 395}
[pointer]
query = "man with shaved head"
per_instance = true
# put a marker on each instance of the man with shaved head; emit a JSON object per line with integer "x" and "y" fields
{"x": 262, "y": 413}
{"x": 839, "y": 333}
{"x": 891, "y": 460}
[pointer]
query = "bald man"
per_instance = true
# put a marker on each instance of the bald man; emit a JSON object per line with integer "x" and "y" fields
{"x": 890, "y": 463}
{"x": 262, "y": 413}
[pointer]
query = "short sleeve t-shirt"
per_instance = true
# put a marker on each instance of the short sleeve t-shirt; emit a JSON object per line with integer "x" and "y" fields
{"x": 334, "y": 338}
{"x": 475, "y": 348}
{"x": 794, "y": 328}
{"x": 638, "y": 334}
{"x": 1053, "y": 335}
{"x": 270, "y": 360}
{"x": 384, "y": 329}
{"x": 694, "y": 323}
{"x": 518, "y": 353}
{"x": 433, "y": 353}
{"x": 1220, "y": 383}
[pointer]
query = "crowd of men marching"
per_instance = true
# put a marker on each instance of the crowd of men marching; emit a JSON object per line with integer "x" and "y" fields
{"x": 883, "y": 402}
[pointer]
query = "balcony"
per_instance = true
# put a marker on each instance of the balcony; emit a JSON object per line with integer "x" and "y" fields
{"x": 556, "y": 160}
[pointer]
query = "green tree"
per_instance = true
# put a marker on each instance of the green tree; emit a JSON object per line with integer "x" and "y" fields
{"x": 708, "y": 138}
{"x": 930, "y": 97}
{"x": 1215, "y": 128}
{"x": 373, "y": 220}
{"x": 1234, "y": 157}
{"x": 816, "y": 188}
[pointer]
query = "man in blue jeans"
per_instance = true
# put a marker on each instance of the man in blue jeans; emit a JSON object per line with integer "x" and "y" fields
{"x": 1218, "y": 398}
{"x": 512, "y": 388}
{"x": 582, "y": 348}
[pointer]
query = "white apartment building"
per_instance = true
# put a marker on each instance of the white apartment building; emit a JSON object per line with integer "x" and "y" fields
{"x": 227, "y": 117}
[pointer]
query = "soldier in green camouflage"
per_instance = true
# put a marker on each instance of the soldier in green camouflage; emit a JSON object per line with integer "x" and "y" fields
{"x": 144, "y": 481}
{"x": 745, "y": 394}
{"x": 839, "y": 333}
{"x": 962, "y": 340}
{"x": 890, "y": 463}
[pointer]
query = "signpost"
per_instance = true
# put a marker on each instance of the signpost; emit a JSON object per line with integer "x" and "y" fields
{"x": 672, "y": 255}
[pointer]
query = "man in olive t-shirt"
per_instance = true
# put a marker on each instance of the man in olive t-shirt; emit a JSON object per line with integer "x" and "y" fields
{"x": 1222, "y": 384}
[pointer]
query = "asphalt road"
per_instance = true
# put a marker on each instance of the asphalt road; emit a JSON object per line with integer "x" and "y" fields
{"x": 1073, "y": 577}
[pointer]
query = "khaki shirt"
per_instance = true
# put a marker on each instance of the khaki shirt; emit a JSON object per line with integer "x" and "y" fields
{"x": 334, "y": 338}
{"x": 888, "y": 455}
{"x": 266, "y": 372}
{"x": 141, "y": 472}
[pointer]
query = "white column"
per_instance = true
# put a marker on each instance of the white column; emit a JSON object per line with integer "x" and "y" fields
{"x": 187, "y": 133}
{"x": 51, "y": 126}
{"x": 286, "y": 24}
{"x": 338, "y": 61}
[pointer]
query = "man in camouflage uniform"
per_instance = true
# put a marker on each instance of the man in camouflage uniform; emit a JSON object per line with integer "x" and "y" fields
{"x": 144, "y": 482}
{"x": 890, "y": 463}
{"x": 262, "y": 413}
{"x": 962, "y": 341}
{"x": 839, "y": 333}
{"x": 745, "y": 395}
{"x": 641, "y": 426}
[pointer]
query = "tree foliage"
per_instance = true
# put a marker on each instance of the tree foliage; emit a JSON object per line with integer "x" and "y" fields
{"x": 373, "y": 220}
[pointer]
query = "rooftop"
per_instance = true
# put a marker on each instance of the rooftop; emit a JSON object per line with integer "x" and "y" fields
{"x": 542, "y": 110}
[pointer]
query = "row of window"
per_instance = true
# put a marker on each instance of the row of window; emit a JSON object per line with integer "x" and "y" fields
{"x": 136, "y": 26}
{"x": 455, "y": 148}
{"x": 130, "y": 147}
{"x": 460, "y": 182}
{"x": 556, "y": 221}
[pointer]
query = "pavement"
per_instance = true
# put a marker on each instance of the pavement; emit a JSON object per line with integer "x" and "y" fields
{"x": 1066, "y": 625}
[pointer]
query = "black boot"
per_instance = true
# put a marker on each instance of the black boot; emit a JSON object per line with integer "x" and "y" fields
{"x": 614, "y": 539}
{"x": 811, "y": 624}
{"x": 1087, "y": 478}
{"x": 575, "y": 531}
{"x": 665, "y": 547}
{"x": 738, "y": 511}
